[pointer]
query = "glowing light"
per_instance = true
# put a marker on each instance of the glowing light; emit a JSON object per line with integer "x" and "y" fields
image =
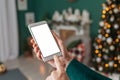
{"x": 99, "y": 55}
{"x": 115, "y": 65}
{"x": 106, "y": 65}
{"x": 115, "y": 58}
{"x": 96, "y": 51}
{"x": 107, "y": 9}
{"x": 119, "y": 61}
{"x": 113, "y": 6}
{"x": 103, "y": 11}
{"x": 103, "y": 16}
{"x": 106, "y": 35}
{"x": 117, "y": 40}
{"x": 100, "y": 46}
{"x": 108, "y": 25}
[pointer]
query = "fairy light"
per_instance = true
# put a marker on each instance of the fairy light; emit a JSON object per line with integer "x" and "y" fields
{"x": 113, "y": 6}
{"x": 103, "y": 11}
{"x": 117, "y": 40}
{"x": 115, "y": 65}
{"x": 103, "y": 16}
{"x": 115, "y": 58}
{"x": 107, "y": 9}
{"x": 106, "y": 35}
{"x": 96, "y": 51}
{"x": 106, "y": 65}
{"x": 100, "y": 46}
{"x": 99, "y": 55}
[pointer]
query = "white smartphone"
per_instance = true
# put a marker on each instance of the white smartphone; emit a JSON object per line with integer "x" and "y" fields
{"x": 43, "y": 37}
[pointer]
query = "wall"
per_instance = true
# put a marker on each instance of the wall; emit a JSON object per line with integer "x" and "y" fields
{"x": 44, "y": 7}
{"x": 93, "y": 6}
{"x": 23, "y": 30}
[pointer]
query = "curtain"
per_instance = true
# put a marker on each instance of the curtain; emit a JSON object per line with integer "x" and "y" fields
{"x": 8, "y": 30}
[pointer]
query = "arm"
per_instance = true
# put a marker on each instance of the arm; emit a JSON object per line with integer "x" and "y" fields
{"x": 78, "y": 71}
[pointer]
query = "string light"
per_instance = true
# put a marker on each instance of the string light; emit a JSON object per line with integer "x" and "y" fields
{"x": 119, "y": 61}
{"x": 99, "y": 55}
{"x": 117, "y": 40}
{"x": 107, "y": 9}
{"x": 110, "y": 12}
{"x": 115, "y": 65}
{"x": 115, "y": 58}
{"x": 108, "y": 26}
{"x": 106, "y": 65}
{"x": 106, "y": 35}
{"x": 103, "y": 16}
{"x": 100, "y": 46}
{"x": 103, "y": 11}
{"x": 113, "y": 6}
{"x": 96, "y": 51}
{"x": 98, "y": 41}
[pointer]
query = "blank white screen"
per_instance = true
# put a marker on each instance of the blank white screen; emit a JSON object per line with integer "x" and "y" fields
{"x": 45, "y": 40}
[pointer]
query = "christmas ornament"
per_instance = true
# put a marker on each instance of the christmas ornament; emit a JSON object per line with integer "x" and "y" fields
{"x": 98, "y": 59}
{"x": 100, "y": 36}
{"x": 107, "y": 30}
{"x": 112, "y": 18}
{"x": 109, "y": 40}
{"x": 103, "y": 38}
{"x": 106, "y": 51}
{"x": 105, "y": 57}
{"x": 119, "y": 36}
{"x": 109, "y": 1}
{"x": 101, "y": 23}
{"x": 99, "y": 31}
{"x": 116, "y": 10}
{"x": 100, "y": 68}
{"x": 119, "y": 57}
{"x": 111, "y": 63}
{"x": 116, "y": 26}
{"x": 2, "y": 68}
{"x": 110, "y": 12}
{"x": 112, "y": 48}
{"x": 104, "y": 6}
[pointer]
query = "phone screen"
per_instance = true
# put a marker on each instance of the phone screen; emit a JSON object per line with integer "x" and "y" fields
{"x": 45, "y": 40}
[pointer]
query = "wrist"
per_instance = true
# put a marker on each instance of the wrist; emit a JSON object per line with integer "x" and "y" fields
{"x": 67, "y": 61}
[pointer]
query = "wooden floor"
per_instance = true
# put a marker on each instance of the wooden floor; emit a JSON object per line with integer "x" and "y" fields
{"x": 32, "y": 68}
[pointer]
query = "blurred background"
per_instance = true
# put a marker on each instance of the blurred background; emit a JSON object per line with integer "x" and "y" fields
{"x": 90, "y": 30}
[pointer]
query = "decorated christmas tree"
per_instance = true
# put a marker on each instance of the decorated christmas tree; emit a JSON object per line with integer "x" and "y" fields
{"x": 106, "y": 55}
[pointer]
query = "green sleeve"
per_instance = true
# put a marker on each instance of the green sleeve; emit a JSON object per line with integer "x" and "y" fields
{"x": 78, "y": 71}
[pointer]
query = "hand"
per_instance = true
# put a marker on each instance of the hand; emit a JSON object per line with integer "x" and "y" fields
{"x": 66, "y": 58}
{"x": 59, "y": 73}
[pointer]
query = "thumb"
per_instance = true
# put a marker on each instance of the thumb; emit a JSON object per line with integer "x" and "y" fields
{"x": 58, "y": 64}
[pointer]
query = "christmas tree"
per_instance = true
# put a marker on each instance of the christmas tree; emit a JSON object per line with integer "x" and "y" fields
{"x": 106, "y": 55}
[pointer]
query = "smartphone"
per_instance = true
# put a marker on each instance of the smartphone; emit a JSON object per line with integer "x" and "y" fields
{"x": 43, "y": 37}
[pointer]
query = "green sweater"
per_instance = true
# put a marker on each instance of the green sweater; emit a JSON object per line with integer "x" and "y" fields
{"x": 78, "y": 71}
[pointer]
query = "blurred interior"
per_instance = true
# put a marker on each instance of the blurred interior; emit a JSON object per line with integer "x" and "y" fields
{"x": 15, "y": 48}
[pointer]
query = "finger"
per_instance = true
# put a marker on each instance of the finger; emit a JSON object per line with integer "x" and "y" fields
{"x": 54, "y": 34}
{"x": 58, "y": 64}
{"x": 32, "y": 41}
{"x": 36, "y": 49}
{"x": 51, "y": 62}
{"x": 34, "y": 45}
{"x": 38, "y": 55}
{"x": 49, "y": 78}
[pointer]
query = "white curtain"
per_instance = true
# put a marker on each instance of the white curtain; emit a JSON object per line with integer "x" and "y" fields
{"x": 8, "y": 30}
